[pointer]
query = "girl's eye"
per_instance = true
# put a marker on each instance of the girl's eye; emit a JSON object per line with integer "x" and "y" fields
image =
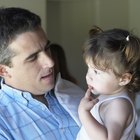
{"x": 95, "y": 72}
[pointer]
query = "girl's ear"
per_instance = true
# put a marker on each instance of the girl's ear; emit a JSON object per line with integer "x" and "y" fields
{"x": 125, "y": 79}
{"x": 3, "y": 71}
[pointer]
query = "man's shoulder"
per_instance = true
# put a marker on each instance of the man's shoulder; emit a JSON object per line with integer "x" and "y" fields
{"x": 5, "y": 99}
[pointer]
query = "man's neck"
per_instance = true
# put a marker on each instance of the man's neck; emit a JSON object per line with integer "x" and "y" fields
{"x": 41, "y": 98}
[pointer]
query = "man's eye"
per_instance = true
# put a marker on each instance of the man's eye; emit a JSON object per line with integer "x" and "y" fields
{"x": 33, "y": 58}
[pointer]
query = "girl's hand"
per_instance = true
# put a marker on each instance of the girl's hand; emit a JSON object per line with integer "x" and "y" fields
{"x": 87, "y": 102}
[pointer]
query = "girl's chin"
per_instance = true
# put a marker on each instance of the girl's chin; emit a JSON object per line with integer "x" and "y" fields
{"x": 94, "y": 92}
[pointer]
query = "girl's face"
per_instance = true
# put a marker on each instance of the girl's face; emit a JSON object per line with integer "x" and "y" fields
{"x": 102, "y": 82}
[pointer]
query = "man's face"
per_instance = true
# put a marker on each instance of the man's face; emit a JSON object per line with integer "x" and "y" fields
{"x": 32, "y": 67}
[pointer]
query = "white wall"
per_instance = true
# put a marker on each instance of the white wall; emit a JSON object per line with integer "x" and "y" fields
{"x": 134, "y": 17}
{"x": 113, "y": 13}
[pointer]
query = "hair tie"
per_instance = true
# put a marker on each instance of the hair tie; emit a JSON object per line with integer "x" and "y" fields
{"x": 127, "y": 38}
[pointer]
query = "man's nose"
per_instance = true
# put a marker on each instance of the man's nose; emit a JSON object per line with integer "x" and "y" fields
{"x": 47, "y": 60}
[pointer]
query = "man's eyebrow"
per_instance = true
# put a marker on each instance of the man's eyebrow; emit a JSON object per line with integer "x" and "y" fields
{"x": 32, "y": 55}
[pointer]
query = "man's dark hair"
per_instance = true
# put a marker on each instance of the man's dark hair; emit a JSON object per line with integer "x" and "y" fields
{"x": 14, "y": 21}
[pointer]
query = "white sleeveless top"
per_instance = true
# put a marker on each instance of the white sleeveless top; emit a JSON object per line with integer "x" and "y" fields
{"x": 129, "y": 132}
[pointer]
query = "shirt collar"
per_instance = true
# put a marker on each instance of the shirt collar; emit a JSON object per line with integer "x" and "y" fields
{"x": 16, "y": 94}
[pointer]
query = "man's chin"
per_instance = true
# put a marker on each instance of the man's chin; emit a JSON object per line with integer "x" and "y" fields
{"x": 47, "y": 88}
{"x": 52, "y": 86}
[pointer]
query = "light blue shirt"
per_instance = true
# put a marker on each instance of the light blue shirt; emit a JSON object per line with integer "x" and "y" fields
{"x": 24, "y": 118}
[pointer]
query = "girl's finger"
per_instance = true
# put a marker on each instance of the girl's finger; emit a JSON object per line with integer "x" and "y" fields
{"x": 88, "y": 93}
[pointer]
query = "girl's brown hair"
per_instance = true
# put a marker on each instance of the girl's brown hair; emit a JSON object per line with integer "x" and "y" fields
{"x": 115, "y": 49}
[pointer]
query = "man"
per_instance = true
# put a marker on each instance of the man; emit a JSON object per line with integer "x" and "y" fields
{"x": 31, "y": 108}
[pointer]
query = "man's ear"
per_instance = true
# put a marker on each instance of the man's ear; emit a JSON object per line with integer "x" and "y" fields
{"x": 4, "y": 71}
{"x": 125, "y": 79}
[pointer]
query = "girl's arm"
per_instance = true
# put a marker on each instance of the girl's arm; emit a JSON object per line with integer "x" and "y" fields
{"x": 116, "y": 117}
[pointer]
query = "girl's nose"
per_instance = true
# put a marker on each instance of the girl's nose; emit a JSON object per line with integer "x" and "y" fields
{"x": 88, "y": 78}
